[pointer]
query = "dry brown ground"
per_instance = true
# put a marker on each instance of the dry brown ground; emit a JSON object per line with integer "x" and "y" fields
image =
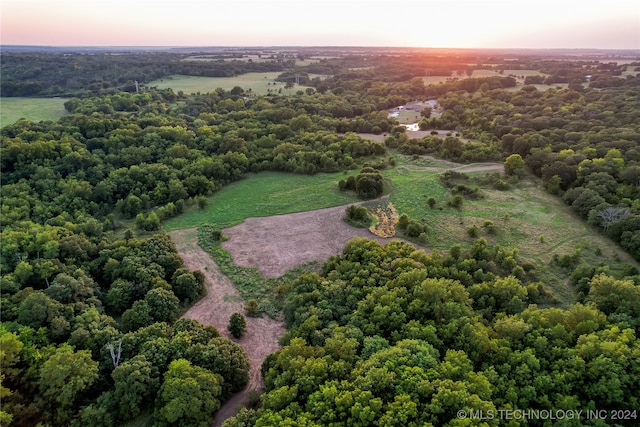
{"x": 276, "y": 244}
{"x": 221, "y": 301}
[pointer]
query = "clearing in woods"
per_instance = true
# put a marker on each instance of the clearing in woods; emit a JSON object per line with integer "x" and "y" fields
{"x": 526, "y": 217}
{"x": 33, "y": 109}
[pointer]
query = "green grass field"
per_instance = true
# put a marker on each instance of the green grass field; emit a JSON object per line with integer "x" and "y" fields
{"x": 526, "y": 217}
{"x": 34, "y": 109}
{"x": 249, "y": 57}
{"x": 477, "y": 74}
{"x": 259, "y": 83}
{"x": 265, "y": 194}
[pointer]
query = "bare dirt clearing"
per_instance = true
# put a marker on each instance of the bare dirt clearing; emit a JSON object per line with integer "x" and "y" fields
{"x": 221, "y": 301}
{"x": 276, "y": 244}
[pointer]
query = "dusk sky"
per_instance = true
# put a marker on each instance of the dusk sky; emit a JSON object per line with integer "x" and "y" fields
{"x": 610, "y": 24}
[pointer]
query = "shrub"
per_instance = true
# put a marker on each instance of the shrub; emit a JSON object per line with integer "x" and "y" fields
{"x": 414, "y": 229}
{"x": 490, "y": 227}
{"x": 251, "y": 308}
{"x": 456, "y": 202}
{"x": 403, "y": 221}
{"x": 357, "y": 216}
{"x": 237, "y": 325}
{"x": 369, "y": 184}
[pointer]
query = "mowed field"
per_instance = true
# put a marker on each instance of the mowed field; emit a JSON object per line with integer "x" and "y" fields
{"x": 34, "y": 109}
{"x": 478, "y": 74}
{"x": 256, "y": 83}
{"x": 265, "y": 194}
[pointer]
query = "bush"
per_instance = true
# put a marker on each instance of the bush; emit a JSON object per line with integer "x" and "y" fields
{"x": 237, "y": 325}
{"x": 456, "y": 202}
{"x": 414, "y": 229}
{"x": 202, "y": 202}
{"x": 357, "y": 216}
{"x": 403, "y": 221}
{"x": 369, "y": 184}
{"x": 490, "y": 227}
{"x": 251, "y": 308}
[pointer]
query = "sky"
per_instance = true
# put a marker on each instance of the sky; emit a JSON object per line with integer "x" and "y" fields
{"x": 600, "y": 24}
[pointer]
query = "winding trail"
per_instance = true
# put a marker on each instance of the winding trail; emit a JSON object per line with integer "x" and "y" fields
{"x": 221, "y": 301}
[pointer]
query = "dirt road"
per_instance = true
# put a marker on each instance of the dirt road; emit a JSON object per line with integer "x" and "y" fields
{"x": 221, "y": 301}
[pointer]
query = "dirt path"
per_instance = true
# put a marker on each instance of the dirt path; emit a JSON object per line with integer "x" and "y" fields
{"x": 458, "y": 167}
{"x": 221, "y": 301}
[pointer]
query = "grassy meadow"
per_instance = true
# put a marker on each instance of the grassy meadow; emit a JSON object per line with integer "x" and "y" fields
{"x": 259, "y": 83}
{"x": 525, "y": 216}
{"x": 265, "y": 194}
{"x": 34, "y": 109}
{"x": 477, "y": 74}
{"x": 539, "y": 224}
{"x": 251, "y": 57}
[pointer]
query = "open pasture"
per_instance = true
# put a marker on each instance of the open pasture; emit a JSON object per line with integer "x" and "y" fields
{"x": 266, "y": 194}
{"x": 249, "y": 58}
{"x": 256, "y": 83}
{"x": 525, "y": 216}
{"x": 539, "y": 224}
{"x": 259, "y": 83}
{"x": 520, "y": 75}
{"x": 34, "y": 109}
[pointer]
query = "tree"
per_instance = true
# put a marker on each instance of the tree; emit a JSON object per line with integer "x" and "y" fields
{"x": 131, "y": 206}
{"x": 621, "y": 297}
{"x": 237, "y": 325}
{"x": 452, "y": 147}
{"x": 64, "y": 379}
{"x": 163, "y": 305}
{"x": 137, "y": 316}
{"x": 224, "y": 357}
{"x": 136, "y": 384}
{"x": 610, "y": 214}
{"x": 514, "y": 165}
{"x": 368, "y": 184}
{"x": 189, "y": 395}
{"x": 187, "y": 287}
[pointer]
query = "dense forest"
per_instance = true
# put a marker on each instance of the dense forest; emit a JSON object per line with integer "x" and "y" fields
{"x": 92, "y": 290}
{"x": 391, "y": 336}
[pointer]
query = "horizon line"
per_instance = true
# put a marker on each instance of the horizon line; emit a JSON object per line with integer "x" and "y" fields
{"x": 187, "y": 46}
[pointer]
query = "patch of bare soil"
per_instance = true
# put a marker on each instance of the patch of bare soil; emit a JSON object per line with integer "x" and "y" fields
{"x": 276, "y": 244}
{"x": 273, "y": 245}
{"x": 221, "y": 301}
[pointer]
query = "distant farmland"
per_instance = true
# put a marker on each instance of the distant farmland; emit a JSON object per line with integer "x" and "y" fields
{"x": 34, "y": 109}
{"x": 256, "y": 83}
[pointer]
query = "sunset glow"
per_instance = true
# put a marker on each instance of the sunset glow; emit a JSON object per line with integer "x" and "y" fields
{"x": 461, "y": 24}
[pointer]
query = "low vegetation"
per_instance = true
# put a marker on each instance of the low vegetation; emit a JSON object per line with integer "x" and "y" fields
{"x": 264, "y": 194}
{"x": 32, "y": 109}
